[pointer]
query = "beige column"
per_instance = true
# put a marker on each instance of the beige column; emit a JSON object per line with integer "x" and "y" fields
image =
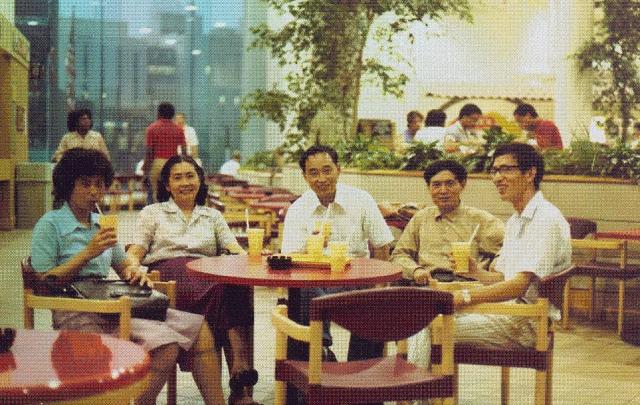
{"x": 572, "y": 24}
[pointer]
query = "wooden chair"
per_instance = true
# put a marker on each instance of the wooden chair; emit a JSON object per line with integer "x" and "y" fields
{"x": 539, "y": 358}
{"x": 377, "y": 315}
{"x": 596, "y": 265}
{"x": 168, "y": 288}
{"x": 121, "y": 307}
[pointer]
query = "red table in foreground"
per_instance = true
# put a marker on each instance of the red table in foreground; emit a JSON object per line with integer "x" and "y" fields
{"x": 52, "y": 366}
{"x": 626, "y": 234}
{"x": 244, "y": 270}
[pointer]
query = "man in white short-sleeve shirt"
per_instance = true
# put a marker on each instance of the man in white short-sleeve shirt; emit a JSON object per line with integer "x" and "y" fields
{"x": 351, "y": 212}
{"x": 190, "y": 137}
{"x": 537, "y": 243}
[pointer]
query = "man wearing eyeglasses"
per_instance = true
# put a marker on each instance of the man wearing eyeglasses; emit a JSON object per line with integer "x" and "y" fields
{"x": 537, "y": 243}
{"x": 425, "y": 244}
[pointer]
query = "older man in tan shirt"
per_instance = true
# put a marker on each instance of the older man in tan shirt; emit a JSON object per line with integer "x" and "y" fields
{"x": 426, "y": 241}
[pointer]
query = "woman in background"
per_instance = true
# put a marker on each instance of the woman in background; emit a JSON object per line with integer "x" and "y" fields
{"x": 80, "y": 135}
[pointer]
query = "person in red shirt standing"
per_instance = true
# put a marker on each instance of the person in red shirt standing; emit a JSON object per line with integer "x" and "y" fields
{"x": 546, "y": 133}
{"x": 162, "y": 141}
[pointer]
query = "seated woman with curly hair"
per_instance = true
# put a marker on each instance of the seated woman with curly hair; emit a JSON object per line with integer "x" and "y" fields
{"x": 69, "y": 244}
{"x": 180, "y": 228}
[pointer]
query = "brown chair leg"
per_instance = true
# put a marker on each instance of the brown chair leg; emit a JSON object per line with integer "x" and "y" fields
{"x": 541, "y": 387}
{"x": 172, "y": 387}
{"x": 620, "y": 306}
{"x": 504, "y": 386}
{"x": 566, "y": 304}
{"x": 592, "y": 293}
{"x": 549, "y": 383}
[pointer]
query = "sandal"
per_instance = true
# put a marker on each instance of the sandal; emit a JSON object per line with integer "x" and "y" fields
{"x": 240, "y": 385}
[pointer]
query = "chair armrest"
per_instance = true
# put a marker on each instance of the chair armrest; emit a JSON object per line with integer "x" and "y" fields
{"x": 77, "y": 304}
{"x": 540, "y": 308}
{"x": 290, "y": 328}
{"x": 602, "y": 244}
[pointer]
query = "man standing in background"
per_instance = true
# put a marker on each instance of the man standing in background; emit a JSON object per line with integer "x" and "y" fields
{"x": 163, "y": 140}
{"x": 190, "y": 137}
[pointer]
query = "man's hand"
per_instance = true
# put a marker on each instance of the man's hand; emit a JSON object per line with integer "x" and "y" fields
{"x": 421, "y": 276}
{"x": 104, "y": 239}
{"x": 458, "y": 301}
{"x": 134, "y": 275}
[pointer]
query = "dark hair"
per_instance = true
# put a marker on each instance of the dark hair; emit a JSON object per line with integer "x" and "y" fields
{"x": 163, "y": 181}
{"x": 74, "y": 117}
{"x": 79, "y": 162}
{"x": 441, "y": 165}
{"x": 435, "y": 118}
{"x": 524, "y": 109}
{"x": 469, "y": 109}
{"x": 315, "y": 150}
{"x": 413, "y": 115}
{"x": 166, "y": 110}
{"x": 526, "y": 156}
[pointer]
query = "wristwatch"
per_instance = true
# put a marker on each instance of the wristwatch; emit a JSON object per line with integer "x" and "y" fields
{"x": 466, "y": 296}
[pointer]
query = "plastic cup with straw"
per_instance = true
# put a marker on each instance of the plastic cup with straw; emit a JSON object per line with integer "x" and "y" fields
{"x": 255, "y": 237}
{"x": 461, "y": 251}
{"x": 107, "y": 221}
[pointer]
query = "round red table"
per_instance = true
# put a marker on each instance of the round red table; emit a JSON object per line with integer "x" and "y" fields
{"x": 51, "y": 366}
{"x": 248, "y": 271}
{"x": 244, "y": 270}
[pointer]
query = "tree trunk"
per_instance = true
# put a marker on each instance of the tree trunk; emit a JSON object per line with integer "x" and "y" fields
{"x": 349, "y": 27}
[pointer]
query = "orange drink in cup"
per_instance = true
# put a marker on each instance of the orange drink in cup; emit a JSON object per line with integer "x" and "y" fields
{"x": 324, "y": 228}
{"x": 255, "y": 237}
{"x": 108, "y": 221}
{"x": 315, "y": 245}
{"x": 338, "y": 256}
{"x": 461, "y": 252}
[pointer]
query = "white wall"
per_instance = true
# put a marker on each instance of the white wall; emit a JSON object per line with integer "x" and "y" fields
{"x": 504, "y": 52}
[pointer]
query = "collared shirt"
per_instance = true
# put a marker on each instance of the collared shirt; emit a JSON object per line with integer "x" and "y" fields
{"x": 164, "y": 136}
{"x": 165, "y": 232}
{"x": 426, "y": 240}
{"x": 91, "y": 140}
{"x": 354, "y": 217}
{"x": 431, "y": 134}
{"x": 547, "y": 135}
{"x": 408, "y": 136}
{"x": 538, "y": 241}
{"x": 58, "y": 236}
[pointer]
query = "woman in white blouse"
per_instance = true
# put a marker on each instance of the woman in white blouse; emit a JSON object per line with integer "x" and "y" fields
{"x": 180, "y": 228}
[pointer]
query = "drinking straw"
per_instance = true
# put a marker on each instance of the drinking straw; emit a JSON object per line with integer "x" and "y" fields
{"x": 475, "y": 232}
{"x": 98, "y": 208}
{"x": 246, "y": 217}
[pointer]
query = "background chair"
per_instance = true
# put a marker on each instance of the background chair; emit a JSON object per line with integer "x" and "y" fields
{"x": 605, "y": 259}
{"x": 376, "y": 315}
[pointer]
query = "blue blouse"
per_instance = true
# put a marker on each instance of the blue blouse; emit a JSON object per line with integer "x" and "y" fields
{"x": 58, "y": 236}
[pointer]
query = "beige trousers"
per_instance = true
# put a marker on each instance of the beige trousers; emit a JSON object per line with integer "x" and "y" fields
{"x": 154, "y": 175}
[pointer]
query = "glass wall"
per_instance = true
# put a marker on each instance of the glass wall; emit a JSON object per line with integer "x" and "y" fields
{"x": 121, "y": 58}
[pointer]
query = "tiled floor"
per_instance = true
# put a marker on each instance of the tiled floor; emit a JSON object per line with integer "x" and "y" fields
{"x": 591, "y": 365}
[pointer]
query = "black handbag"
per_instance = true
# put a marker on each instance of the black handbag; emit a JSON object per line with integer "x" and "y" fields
{"x": 145, "y": 302}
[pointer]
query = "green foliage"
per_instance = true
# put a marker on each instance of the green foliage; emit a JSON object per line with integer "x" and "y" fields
{"x": 419, "y": 155}
{"x": 621, "y": 161}
{"x": 322, "y": 46}
{"x": 613, "y": 54}
{"x": 266, "y": 160}
{"x": 481, "y": 160}
{"x": 367, "y": 154}
{"x": 581, "y": 158}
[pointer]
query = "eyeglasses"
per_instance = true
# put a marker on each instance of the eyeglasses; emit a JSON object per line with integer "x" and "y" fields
{"x": 506, "y": 169}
